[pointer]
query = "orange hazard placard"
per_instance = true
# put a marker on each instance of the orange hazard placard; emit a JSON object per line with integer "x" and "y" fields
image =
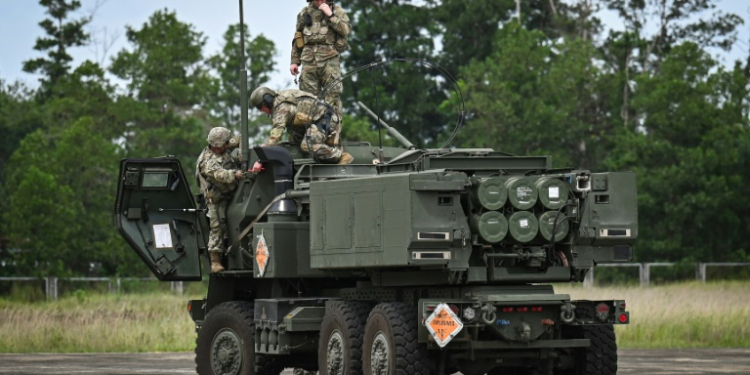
{"x": 443, "y": 324}
{"x": 262, "y": 254}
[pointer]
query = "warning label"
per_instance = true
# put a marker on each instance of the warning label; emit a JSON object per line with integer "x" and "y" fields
{"x": 443, "y": 324}
{"x": 262, "y": 254}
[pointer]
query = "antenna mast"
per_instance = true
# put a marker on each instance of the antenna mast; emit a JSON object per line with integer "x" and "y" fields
{"x": 243, "y": 93}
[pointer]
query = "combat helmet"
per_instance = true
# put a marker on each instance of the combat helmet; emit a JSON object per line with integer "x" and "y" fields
{"x": 218, "y": 136}
{"x": 262, "y": 95}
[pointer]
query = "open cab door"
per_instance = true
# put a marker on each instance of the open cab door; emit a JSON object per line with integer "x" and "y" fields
{"x": 156, "y": 214}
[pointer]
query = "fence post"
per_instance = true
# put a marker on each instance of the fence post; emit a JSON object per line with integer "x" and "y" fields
{"x": 640, "y": 273}
{"x": 588, "y": 281}
{"x": 50, "y": 284}
{"x": 177, "y": 287}
{"x": 118, "y": 285}
{"x": 646, "y": 275}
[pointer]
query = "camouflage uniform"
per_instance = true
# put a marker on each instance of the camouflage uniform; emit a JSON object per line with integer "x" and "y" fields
{"x": 324, "y": 39}
{"x": 215, "y": 172}
{"x": 304, "y": 117}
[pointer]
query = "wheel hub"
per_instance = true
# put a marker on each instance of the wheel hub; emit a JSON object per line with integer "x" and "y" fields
{"x": 380, "y": 355}
{"x": 226, "y": 352}
{"x": 335, "y": 353}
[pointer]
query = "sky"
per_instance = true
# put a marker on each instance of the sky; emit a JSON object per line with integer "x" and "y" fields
{"x": 273, "y": 18}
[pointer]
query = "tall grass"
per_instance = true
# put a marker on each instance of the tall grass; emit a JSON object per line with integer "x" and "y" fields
{"x": 685, "y": 315}
{"x": 689, "y": 315}
{"x": 97, "y": 323}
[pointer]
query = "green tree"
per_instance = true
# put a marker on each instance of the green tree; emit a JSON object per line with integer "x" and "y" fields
{"x": 408, "y": 94}
{"x": 468, "y": 27}
{"x": 19, "y": 116}
{"x": 652, "y": 29}
{"x": 61, "y": 181}
{"x": 60, "y": 188}
{"x": 61, "y": 35}
{"x": 164, "y": 111}
{"x": 532, "y": 96}
{"x": 259, "y": 63}
{"x": 691, "y": 156}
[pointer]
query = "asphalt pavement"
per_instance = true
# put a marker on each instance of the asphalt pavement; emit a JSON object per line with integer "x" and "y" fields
{"x": 642, "y": 362}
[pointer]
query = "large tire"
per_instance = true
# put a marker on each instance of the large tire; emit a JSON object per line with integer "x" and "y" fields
{"x": 340, "y": 346}
{"x": 601, "y": 357}
{"x": 391, "y": 345}
{"x": 598, "y": 359}
{"x": 226, "y": 340}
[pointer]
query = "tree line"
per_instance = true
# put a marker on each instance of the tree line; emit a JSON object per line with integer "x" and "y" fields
{"x": 537, "y": 77}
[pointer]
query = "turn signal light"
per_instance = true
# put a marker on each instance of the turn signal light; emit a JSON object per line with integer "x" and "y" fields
{"x": 507, "y": 309}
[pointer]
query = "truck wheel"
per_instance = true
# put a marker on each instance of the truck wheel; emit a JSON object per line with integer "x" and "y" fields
{"x": 340, "y": 346}
{"x": 391, "y": 346}
{"x": 225, "y": 343}
{"x": 598, "y": 359}
{"x": 601, "y": 356}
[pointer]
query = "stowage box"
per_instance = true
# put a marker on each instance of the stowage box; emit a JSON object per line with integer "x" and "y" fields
{"x": 387, "y": 221}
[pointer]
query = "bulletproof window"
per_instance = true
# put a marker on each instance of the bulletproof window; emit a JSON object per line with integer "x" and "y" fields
{"x": 155, "y": 178}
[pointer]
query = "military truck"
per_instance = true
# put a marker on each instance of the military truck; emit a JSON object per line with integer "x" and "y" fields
{"x": 407, "y": 261}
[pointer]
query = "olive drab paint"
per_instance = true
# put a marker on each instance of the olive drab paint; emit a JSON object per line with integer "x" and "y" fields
{"x": 429, "y": 259}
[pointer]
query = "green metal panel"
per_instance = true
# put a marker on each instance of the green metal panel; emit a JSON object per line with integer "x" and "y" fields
{"x": 611, "y": 209}
{"x": 338, "y": 217}
{"x": 317, "y": 224}
{"x": 418, "y": 182}
{"x": 288, "y": 248}
{"x": 155, "y": 213}
{"x": 367, "y": 209}
{"x": 553, "y": 192}
{"x": 530, "y": 274}
{"x": 459, "y": 161}
{"x": 523, "y": 226}
{"x": 417, "y": 211}
{"x": 491, "y": 193}
{"x": 360, "y": 210}
{"x": 522, "y": 192}
{"x": 547, "y": 223}
{"x": 492, "y": 226}
{"x": 304, "y": 319}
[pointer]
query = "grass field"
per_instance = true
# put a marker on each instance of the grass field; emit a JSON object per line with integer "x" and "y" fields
{"x": 688, "y": 315}
{"x": 98, "y": 323}
{"x": 685, "y": 315}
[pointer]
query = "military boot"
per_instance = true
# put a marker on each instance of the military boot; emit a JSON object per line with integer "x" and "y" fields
{"x": 346, "y": 158}
{"x": 215, "y": 261}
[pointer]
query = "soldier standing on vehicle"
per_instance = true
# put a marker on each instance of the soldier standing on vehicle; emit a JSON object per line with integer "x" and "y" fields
{"x": 321, "y": 32}
{"x": 217, "y": 172}
{"x": 312, "y": 124}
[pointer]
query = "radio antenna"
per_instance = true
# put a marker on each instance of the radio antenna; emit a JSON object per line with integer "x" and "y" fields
{"x": 243, "y": 93}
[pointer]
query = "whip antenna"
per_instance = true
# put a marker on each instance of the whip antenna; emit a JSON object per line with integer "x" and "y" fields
{"x": 243, "y": 93}
{"x": 381, "y": 155}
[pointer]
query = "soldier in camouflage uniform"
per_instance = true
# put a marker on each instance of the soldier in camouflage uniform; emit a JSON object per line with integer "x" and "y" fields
{"x": 217, "y": 173}
{"x": 312, "y": 124}
{"x": 320, "y": 37}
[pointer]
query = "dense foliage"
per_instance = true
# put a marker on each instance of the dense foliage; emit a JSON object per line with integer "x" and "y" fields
{"x": 652, "y": 97}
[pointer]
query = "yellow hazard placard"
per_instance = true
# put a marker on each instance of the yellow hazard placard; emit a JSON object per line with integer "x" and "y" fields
{"x": 443, "y": 324}
{"x": 261, "y": 254}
